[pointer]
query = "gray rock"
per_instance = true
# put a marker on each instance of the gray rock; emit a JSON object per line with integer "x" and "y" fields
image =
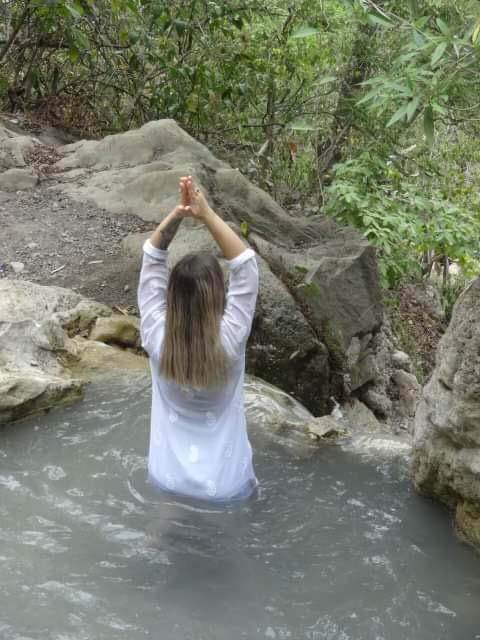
{"x": 17, "y": 267}
{"x": 427, "y": 296}
{"x": 401, "y": 360}
{"x": 82, "y": 316}
{"x": 408, "y": 392}
{"x": 24, "y": 392}
{"x": 14, "y": 147}
{"x": 117, "y": 329}
{"x": 379, "y": 402}
{"x": 446, "y": 455}
{"x": 325, "y": 429}
{"x": 36, "y": 351}
{"x": 360, "y": 417}
{"x": 18, "y": 179}
{"x": 319, "y": 282}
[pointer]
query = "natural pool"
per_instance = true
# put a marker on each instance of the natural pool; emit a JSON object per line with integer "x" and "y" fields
{"x": 332, "y": 548}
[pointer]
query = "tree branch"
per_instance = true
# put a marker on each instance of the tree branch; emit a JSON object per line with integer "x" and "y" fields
{"x": 20, "y": 23}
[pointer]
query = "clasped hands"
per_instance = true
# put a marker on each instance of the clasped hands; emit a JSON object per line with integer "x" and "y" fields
{"x": 193, "y": 203}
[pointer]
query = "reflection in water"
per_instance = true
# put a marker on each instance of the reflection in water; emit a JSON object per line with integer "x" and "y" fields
{"x": 331, "y": 548}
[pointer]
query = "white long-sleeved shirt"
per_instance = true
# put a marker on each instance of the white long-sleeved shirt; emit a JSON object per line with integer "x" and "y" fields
{"x": 199, "y": 445}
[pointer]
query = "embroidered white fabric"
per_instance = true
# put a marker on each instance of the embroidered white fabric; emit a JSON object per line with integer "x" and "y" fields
{"x": 199, "y": 445}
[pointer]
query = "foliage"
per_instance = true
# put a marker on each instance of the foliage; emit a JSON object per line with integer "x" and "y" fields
{"x": 366, "y": 110}
{"x": 403, "y": 218}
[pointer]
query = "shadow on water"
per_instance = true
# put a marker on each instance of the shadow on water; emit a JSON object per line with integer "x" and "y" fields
{"x": 331, "y": 548}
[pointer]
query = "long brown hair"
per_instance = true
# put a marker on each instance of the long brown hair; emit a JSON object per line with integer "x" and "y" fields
{"x": 192, "y": 352}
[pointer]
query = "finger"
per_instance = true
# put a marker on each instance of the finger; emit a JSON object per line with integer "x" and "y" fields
{"x": 184, "y": 199}
{"x": 190, "y": 189}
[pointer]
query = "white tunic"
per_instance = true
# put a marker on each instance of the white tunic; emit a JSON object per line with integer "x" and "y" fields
{"x": 199, "y": 445}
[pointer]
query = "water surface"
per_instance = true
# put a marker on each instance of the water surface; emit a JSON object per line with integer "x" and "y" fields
{"x": 332, "y": 548}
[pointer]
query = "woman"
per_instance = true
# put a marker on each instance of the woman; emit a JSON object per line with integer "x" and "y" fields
{"x": 195, "y": 334}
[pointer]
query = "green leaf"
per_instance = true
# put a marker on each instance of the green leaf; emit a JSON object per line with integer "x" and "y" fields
{"x": 369, "y": 96}
{"x": 413, "y": 7}
{"x": 418, "y": 39}
{"x": 73, "y": 55}
{"x": 244, "y": 229}
{"x": 302, "y": 125}
{"x": 310, "y": 289}
{"x": 326, "y": 80}
{"x": 438, "y": 108}
{"x": 476, "y": 32}
{"x": 429, "y": 124}
{"x": 412, "y": 107}
{"x": 192, "y": 102}
{"x": 398, "y": 115}
{"x": 300, "y": 269}
{"x": 180, "y": 26}
{"x": 375, "y": 18}
{"x": 438, "y": 53}
{"x": 75, "y": 9}
{"x": 305, "y": 32}
{"x": 443, "y": 27}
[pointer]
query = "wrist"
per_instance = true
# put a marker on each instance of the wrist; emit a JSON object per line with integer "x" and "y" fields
{"x": 171, "y": 217}
{"x": 208, "y": 215}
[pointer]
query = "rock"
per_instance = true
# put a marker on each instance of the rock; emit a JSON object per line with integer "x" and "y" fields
{"x": 335, "y": 278}
{"x": 97, "y": 358}
{"x": 408, "y": 392}
{"x": 401, "y": 360}
{"x": 276, "y": 418}
{"x": 426, "y": 294}
{"x": 18, "y": 179}
{"x": 117, "y": 329}
{"x": 36, "y": 350}
{"x": 467, "y": 518}
{"x": 446, "y": 455}
{"x": 298, "y": 340}
{"x": 371, "y": 438}
{"x": 360, "y": 417}
{"x": 14, "y": 148}
{"x": 23, "y": 393}
{"x": 17, "y": 267}
{"x": 325, "y": 429}
{"x": 377, "y": 401}
{"x": 82, "y": 316}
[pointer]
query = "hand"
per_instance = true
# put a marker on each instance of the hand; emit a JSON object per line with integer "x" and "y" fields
{"x": 183, "y": 210}
{"x": 197, "y": 203}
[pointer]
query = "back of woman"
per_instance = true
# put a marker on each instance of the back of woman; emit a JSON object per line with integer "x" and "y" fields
{"x": 195, "y": 334}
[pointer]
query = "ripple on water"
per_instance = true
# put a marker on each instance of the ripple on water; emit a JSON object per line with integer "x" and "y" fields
{"x": 331, "y": 548}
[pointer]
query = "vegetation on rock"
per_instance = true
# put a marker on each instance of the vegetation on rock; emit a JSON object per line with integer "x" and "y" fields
{"x": 364, "y": 110}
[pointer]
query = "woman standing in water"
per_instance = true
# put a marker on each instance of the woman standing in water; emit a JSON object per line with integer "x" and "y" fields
{"x": 195, "y": 333}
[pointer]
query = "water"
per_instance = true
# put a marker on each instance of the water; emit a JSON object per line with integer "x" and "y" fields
{"x": 332, "y": 548}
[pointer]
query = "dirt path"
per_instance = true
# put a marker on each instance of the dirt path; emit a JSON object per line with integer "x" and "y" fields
{"x": 67, "y": 244}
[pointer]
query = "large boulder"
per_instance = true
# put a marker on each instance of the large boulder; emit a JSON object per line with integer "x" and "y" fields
{"x": 15, "y": 175}
{"x": 320, "y": 288}
{"x": 14, "y": 148}
{"x": 37, "y": 350}
{"x": 446, "y": 453}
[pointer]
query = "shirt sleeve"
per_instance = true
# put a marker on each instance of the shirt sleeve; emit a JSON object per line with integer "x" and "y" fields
{"x": 152, "y": 297}
{"x": 241, "y": 300}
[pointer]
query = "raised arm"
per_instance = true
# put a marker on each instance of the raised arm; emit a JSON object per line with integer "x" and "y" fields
{"x": 243, "y": 286}
{"x": 228, "y": 241}
{"x": 152, "y": 288}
